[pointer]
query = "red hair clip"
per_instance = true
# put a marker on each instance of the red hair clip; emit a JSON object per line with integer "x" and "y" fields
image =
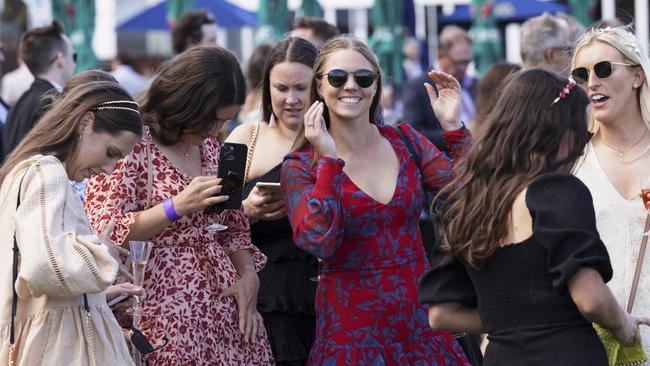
{"x": 566, "y": 91}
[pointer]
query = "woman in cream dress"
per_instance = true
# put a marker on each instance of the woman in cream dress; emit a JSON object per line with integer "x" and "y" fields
{"x": 62, "y": 317}
{"x": 611, "y": 66}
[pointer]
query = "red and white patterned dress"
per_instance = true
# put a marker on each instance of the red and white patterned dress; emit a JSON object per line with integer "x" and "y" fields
{"x": 189, "y": 267}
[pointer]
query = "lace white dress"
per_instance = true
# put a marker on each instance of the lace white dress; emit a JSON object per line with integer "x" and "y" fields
{"x": 620, "y": 223}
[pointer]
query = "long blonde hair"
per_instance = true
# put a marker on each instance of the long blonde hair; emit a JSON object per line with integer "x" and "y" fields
{"x": 342, "y": 42}
{"x": 622, "y": 39}
{"x": 56, "y": 132}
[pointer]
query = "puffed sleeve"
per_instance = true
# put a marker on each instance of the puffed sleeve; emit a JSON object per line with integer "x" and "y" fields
{"x": 446, "y": 281}
{"x": 436, "y": 166}
{"x": 313, "y": 194}
{"x": 114, "y": 198}
{"x": 564, "y": 223}
{"x": 54, "y": 259}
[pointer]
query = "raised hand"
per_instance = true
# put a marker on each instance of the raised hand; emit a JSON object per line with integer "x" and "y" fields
{"x": 446, "y": 103}
{"x": 316, "y": 130}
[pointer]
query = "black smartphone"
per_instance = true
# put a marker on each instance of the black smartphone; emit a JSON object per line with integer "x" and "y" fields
{"x": 232, "y": 167}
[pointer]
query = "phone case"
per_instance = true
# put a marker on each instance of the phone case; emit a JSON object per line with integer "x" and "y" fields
{"x": 232, "y": 166}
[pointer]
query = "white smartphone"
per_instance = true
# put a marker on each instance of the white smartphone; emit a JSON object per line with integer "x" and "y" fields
{"x": 269, "y": 187}
{"x": 119, "y": 299}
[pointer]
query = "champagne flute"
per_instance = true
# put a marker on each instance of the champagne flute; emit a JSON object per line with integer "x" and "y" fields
{"x": 645, "y": 192}
{"x": 140, "y": 251}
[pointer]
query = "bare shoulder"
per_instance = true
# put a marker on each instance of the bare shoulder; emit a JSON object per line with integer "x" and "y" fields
{"x": 242, "y": 133}
{"x": 521, "y": 222}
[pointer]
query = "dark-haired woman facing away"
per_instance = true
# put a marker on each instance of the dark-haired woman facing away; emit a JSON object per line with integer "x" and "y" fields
{"x": 63, "y": 269}
{"x": 524, "y": 261}
{"x": 201, "y": 285}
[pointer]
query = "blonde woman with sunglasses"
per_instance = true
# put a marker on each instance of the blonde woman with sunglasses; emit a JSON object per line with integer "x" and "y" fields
{"x": 610, "y": 64}
{"x": 354, "y": 193}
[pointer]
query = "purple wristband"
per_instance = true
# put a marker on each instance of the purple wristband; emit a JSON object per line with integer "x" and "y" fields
{"x": 170, "y": 212}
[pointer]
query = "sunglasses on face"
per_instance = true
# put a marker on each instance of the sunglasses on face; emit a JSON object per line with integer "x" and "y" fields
{"x": 602, "y": 69}
{"x": 337, "y": 77}
{"x": 137, "y": 338}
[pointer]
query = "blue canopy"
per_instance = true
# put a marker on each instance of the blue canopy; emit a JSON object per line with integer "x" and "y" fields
{"x": 508, "y": 11}
{"x": 227, "y": 14}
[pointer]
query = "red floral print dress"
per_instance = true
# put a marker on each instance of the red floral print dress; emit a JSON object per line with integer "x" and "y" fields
{"x": 367, "y": 311}
{"x": 189, "y": 267}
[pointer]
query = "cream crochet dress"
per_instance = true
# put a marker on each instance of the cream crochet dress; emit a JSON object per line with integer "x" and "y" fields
{"x": 620, "y": 223}
{"x": 60, "y": 259}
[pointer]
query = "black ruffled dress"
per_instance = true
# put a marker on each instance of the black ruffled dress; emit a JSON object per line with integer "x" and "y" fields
{"x": 521, "y": 290}
{"x": 286, "y": 295}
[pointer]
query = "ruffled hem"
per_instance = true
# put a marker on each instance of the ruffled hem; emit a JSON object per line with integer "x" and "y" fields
{"x": 285, "y": 304}
{"x": 284, "y": 250}
{"x": 288, "y": 349}
{"x": 441, "y": 350}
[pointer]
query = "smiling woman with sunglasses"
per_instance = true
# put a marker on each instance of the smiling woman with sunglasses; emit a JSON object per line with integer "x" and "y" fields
{"x": 354, "y": 193}
{"x": 610, "y": 64}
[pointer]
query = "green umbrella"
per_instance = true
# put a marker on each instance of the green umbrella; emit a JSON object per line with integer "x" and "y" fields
{"x": 386, "y": 41}
{"x": 311, "y": 8}
{"x": 78, "y": 18}
{"x": 274, "y": 16}
{"x": 581, "y": 11}
{"x": 485, "y": 34}
{"x": 176, "y": 9}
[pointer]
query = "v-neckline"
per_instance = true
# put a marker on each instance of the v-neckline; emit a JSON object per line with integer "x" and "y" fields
{"x": 592, "y": 151}
{"x": 399, "y": 174}
{"x": 186, "y": 176}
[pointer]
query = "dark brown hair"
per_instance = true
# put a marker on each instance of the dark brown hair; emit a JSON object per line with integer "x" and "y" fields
{"x": 342, "y": 42}
{"x": 189, "y": 89}
{"x": 189, "y": 28}
{"x": 320, "y": 28}
{"x": 290, "y": 49}
{"x": 57, "y": 131}
{"x": 489, "y": 89}
{"x": 525, "y": 136}
{"x": 256, "y": 65}
{"x": 39, "y": 46}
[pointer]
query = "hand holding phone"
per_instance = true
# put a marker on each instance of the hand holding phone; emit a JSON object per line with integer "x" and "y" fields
{"x": 265, "y": 202}
{"x": 232, "y": 167}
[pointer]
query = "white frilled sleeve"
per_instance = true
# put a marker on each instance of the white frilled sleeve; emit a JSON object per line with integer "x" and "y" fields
{"x": 58, "y": 255}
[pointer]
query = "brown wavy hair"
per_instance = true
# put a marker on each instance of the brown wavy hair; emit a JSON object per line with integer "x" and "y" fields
{"x": 189, "y": 89}
{"x": 56, "y": 133}
{"x": 525, "y": 136}
{"x": 342, "y": 42}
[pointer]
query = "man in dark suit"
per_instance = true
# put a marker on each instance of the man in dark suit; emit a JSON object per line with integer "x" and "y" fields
{"x": 454, "y": 56}
{"x": 49, "y": 55}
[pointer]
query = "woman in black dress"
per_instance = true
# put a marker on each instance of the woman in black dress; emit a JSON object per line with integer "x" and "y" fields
{"x": 287, "y": 288}
{"x": 521, "y": 258}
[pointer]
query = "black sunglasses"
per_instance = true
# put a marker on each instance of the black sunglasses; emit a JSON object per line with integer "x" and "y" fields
{"x": 337, "y": 77}
{"x": 138, "y": 339}
{"x": 602, "y": 69}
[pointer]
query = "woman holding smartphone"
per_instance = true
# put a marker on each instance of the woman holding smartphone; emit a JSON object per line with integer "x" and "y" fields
{"x": 201, "y": 284}
{"x": 286, "y": 298}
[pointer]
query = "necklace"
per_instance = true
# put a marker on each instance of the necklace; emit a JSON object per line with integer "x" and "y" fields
{"x": 622, "y": 152}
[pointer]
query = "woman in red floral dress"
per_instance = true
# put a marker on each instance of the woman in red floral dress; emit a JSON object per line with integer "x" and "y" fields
{"x": 354, "y": 193}
{"x": 201, "y": 285}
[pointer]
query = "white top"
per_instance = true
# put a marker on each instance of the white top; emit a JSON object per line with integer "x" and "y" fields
{"x": 60, "y": 259}
{"x": 130, "y": 80}
{"x": 620, "y": 223}
{"x": 15, "y": 83}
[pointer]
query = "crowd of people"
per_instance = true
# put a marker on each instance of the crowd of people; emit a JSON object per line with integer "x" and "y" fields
{"x": 536, "y": 174}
